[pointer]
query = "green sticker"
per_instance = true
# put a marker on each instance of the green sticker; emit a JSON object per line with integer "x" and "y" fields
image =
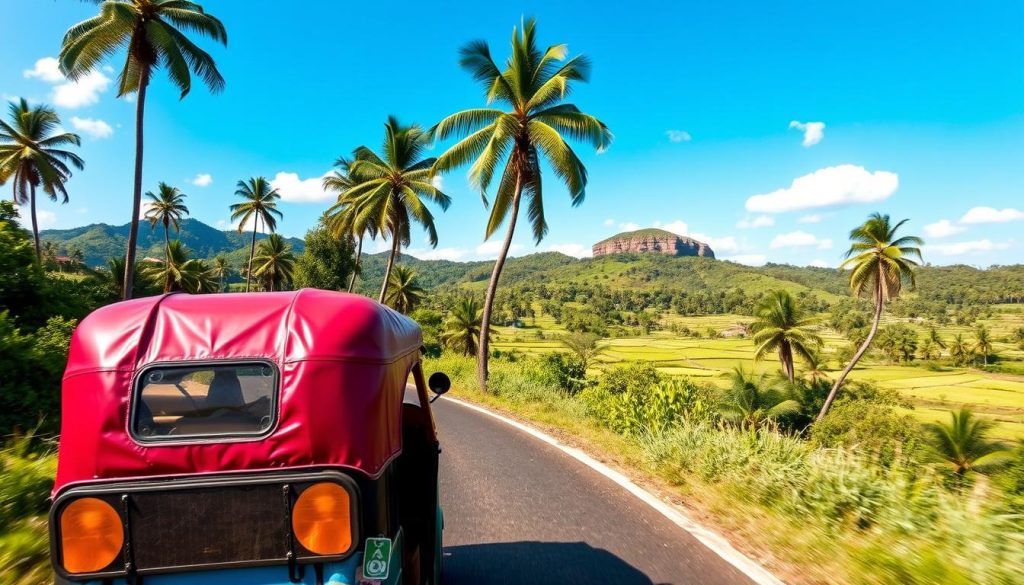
{"x": 377, "y": 558}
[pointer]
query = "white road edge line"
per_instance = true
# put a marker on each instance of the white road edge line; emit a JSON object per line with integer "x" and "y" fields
{"x": 713, "y": 541}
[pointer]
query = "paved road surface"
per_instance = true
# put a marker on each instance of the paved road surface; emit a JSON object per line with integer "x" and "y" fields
{"x": 519, "y": 511}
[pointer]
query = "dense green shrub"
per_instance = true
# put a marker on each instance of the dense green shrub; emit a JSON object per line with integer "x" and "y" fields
{"x": 562, "y": 371}
{"x": 656, "y": 408}
{"x": 31, "y": 365}
{"x": 27, "y": 469}
{"x": 632, "y": 376}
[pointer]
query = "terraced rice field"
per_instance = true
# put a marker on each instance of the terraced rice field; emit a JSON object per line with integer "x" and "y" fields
{"x": 998, "y": 397}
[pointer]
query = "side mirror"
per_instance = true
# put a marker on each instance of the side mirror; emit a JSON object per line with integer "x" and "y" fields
{"x": 439, "y": 383}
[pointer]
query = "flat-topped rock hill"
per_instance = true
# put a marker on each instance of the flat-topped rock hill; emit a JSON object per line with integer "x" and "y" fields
{"x": 652, "y": 241}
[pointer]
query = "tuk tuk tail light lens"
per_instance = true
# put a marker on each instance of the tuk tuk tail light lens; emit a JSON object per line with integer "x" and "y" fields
{"x": 91, "y": 535}
{"x": 321, "y": 519}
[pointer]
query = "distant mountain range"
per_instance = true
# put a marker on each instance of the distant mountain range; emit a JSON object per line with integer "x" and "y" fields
{"x": 100, "y": 241}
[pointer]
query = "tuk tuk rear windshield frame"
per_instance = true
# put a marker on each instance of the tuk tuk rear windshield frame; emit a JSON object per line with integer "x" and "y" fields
{"x": 172, "y": 440}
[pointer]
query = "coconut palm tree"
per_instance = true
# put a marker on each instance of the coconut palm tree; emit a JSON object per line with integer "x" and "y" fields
{"x": 935, "y": 338}
{"x": 782, "y": 327}
{"x": 200, "y": 277}
{"x": 167, "y": 207}
{"x": 533, "y": 129}
{"x": 260, "y": 204}
{"x": 964, "y": 444}
{"x": 392, "y": 191}
{"x": 274, "y": 263}
{"x": 750, "y": 401}
{"x": 462, "y": 328}
{"x": 178, "y": 272}
{"x": 960, "y": 351}
{"x": 404, "y": 292}
{"x": 815, "y": 368}
{"x": 982, "y": 343}
{"x": 221, "y": 270}
{"x": 880, "y": 263}
{"x": 341, "y": 217}
{"x": 585, "y": 347}
{"x": 150, "y": 33}
{"x": 928, "y": 350}
{"x": 33, "y": 156}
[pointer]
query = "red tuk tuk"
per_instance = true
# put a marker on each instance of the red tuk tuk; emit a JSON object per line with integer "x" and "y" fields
{"x": 256, "y": 438}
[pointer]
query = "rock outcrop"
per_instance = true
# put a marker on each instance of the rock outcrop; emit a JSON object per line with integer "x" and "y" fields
{"x": 652, "y": 241}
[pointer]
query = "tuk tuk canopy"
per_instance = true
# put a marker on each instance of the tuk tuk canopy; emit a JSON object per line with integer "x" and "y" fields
{"x": 340, "y": 364}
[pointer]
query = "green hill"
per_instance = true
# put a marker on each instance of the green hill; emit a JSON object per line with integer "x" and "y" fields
{"x": 100, "y": 241}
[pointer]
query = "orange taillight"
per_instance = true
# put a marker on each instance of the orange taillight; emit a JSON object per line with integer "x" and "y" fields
{"x": 91, "y": 535}
{"x": 321, "y": 519}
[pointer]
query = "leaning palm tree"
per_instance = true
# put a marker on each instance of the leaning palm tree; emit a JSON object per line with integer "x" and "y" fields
{"x": 880, "y": 264}
{"x": 960, "y": 351}
{"x": 173, "y": 274}
{"x": 341, "y": 218}
{"x": 935, "y": 338}
{"x": 533, "y": 129}
{"x": 274, "y": 263}
{"x": 462, "y": 328}
{"x": 167, "y": 207}
{"x": 982, "y": 343}
{"x": 782, "y": 326}
{"x": 963, "y": 443}
{"x": 148, "y": 31}
{"x": 404, "y": 292}
{"x": 392, "y": 191}
{"x": 221, "y": 270}
{"x": 260, "y": 204}
{"x": 751, "y": 401}
{"x": 200, "y": 277}
{"x": 33, "y": 155}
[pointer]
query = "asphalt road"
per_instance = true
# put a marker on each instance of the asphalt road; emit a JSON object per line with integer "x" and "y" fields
{"x": 519, "y": 511}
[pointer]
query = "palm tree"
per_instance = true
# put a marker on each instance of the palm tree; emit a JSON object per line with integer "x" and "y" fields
{"x": 221, "y": 269}
{"x": 148, "y": 31}
{"x": 815, "y": 368}
{"x": 462, "y": 328}
{"x": 586, "y": 347}
{"x": 935, "y": 338}
{"x": 167, "y": 206}
{"x": 982, "y": 343}
{"x": 750, "y": 401}
{"x": 532, "y": 85}
{"x": 928, "y": 349}
{"x": 391, "y": 191}
{"x": 879, "y": 263}
{"x": 32, "y": 156}
{"x": 404, "y": 292}
{"x": 200, "y": 277}
{"x": 959, "y": 350}
{"x": 260, "y": 204}
{"x": 176, "y": 273}
{"x": 963, "y": 443}
{"x": 782, "y": 326}
{"x": 274, "y": 263}
{"x": 341, "y": 217}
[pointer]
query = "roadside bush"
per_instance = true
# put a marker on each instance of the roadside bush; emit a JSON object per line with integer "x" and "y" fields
{"x": 31, "y": 365}
{"x": 27, "y": 469}
{"x": 871, "y": 427}
{"x": 560, "y": 370}
{"x": 632, "y": 376}
{"x": 656, "y": 408}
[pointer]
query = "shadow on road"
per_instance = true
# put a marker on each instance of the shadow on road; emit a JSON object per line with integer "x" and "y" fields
{"x": 537, "y": 563}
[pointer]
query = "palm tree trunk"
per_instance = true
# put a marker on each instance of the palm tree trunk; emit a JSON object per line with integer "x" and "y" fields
{"x": 35, "y": 224}
{"x": 879, "y": 305}
{"x": 786, "y": 356}
{"x": 252, "y": 251}
{"x": 391, "y": 264}
{"x": 492, "y": 288}
{"x": 133, "y": 230}
{"x": 167, "y": 258}
{"x": 355, "y": 268}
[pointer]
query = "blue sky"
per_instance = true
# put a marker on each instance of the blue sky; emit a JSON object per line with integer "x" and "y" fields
{"x": 766, "y": 129}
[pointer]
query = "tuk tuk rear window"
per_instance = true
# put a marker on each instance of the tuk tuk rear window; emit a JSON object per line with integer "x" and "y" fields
{"x": 205, "y": 400}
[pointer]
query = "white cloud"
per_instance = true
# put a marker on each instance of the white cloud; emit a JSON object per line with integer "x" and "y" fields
{"x": 202, "y": 180}
{"x": 247, "y": 226}
{"x": 724, "y": 244}
{"x": 759, "y": 221}
{"x": 46, "y": 69}
{"x": 609, "y": 222}
{"x": 942, "y": 228}
{"x": 45, "y": 218}
{"x": 69, "y": 94}
{"x": 94, "y": 128}
{"x": 827, "y": 187}
{"x": 577, "y": 250}
{"x": 813, "y": 131}
{"x": 799, "y": 239}
{"x": 489, "y": 250}
{"x": 678, "y": 136}
{"x": 991, "y": 215}
{"x": 812, "y": 218}
{"x": 222, "y": 224}
{"x": 677, "y": 227}
{"x": 963, "y": 248}
{"x": 296, "y": 190}
{"x": 748, "y": 259}
{"x": 438, "y": 182}
{"x": 820, "y": 264}
{"x": 438, "y": 253}
{"x": 628, "y": 226}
